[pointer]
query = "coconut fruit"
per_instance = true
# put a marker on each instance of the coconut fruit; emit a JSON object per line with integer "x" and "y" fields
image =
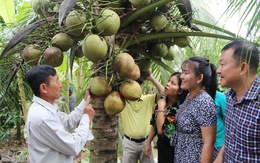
{"x": 32, "y": 54}
{"x": 124, "y": 64}
{"x": 108, "y": 22}
{"x": 130, "y": 90}
{"x": 170, "y": 55}
{"x": 75, "y": 23}
{"x": 158, "y": 21}
{"x": 135, "y": 74}
{"x": 100, "y": 86}
{"x": 62, "y": 41}
{"x": 182, "y": 41}
{"x": 159, "y": 50}
{"x": 40, "y": 7}
{"x": 53, "y": 56}
{"x": 94, "y": 48}
{"x": 79, "y": 52}
{"x": 114, "y": 103}
{"x": 139, "y": 3}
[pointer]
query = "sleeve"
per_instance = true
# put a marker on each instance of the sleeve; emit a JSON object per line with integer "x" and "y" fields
{"x": 206, "y": 114}
{"x": 71, "y": 120}
{"x": 56, "y": 137}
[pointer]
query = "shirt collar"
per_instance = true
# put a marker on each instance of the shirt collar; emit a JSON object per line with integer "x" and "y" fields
{"x": 251, "y": 94}
{"x": 45, "y": 104}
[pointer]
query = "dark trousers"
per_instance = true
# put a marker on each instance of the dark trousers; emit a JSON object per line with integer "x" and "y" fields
{"x": 165, "y": 150}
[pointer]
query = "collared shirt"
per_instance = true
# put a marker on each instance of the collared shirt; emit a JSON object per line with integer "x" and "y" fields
{"x": 242, "y": 122}
{"x": 136, "y": 116}
{"x": 47, "y": 131}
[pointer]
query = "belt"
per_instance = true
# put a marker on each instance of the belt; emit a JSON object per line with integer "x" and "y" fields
{"x": 140, "y": 140}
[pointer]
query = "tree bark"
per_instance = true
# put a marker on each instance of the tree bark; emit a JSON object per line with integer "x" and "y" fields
{"x": 105, "y": 131}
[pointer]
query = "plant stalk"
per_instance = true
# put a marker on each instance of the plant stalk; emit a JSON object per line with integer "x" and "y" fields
{"x": 141, "y": 11}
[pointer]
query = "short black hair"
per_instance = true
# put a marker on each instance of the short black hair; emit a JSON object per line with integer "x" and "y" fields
{"x": 245, "y": 51}
{"x": 38, "y": 75}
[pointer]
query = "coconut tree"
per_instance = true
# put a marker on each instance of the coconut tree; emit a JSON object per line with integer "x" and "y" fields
{"x": 141, "y": 31}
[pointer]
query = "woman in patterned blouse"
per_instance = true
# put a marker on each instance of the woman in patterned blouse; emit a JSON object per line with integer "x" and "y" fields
{"x": 195, "y": 133}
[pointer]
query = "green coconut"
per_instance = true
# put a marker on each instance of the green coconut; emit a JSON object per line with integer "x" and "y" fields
{"x": 100, "y": 86}
{"x": 139, "y": 3}
{"x": 32, "y": 54}
{"x": 182, "y": 41}
{"x": 114, "y": 103}
{"x": 159, "y": 50}
{"x": 75, "y": 23}
{"x": 53, "y": 56}
{"x": 124, "y": 64}
{"x": 170, "y": 55}
{"x": 94, "y": 48}
{"x": 158, "y": 21}
{"x": 41, "y": 7}
{"x": 108, "y": 22}
{"x": 62, "y": 41}
{"x": 130, "y": 90}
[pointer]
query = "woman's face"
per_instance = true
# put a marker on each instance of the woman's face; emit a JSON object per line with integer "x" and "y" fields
{"x": 188, "y": 77}
{"x": 172, "y": 88}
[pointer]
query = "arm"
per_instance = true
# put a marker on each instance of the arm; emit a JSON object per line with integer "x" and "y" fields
{"x": 71, "y": 120}
{"x": 53, "y": 135}
{"x": 220, "y": 157}
{"x": 158, "y": 85}
{"x": 209, "y": 138}
{"x": 148, "y": 148}
{"x": 160, "y": 115}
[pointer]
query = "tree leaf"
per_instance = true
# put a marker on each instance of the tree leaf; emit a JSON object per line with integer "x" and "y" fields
{"x": 65, "y": 8}
{"x": 15, "y": 70}
{"x": 18, "y": 37}
{"x": 7, "y": 11}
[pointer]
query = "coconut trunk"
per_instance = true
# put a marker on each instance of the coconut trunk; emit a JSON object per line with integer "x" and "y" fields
{"x": 105, "y": 131}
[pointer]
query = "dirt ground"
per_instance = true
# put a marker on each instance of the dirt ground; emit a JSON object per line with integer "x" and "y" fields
{"x": 13, "y": 151}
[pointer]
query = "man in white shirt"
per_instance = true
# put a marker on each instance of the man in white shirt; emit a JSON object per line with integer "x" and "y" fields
{"x": 47, "y": 127}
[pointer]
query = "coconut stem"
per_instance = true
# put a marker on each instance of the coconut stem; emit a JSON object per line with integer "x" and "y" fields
{"x": 151, "y": 36}
{"x": 131, "y": 17}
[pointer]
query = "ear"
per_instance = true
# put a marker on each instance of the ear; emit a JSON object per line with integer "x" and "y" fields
{"x": 200, "y": 78}
{"x": 43, "y": 88}
{"x": 244, "y": 67}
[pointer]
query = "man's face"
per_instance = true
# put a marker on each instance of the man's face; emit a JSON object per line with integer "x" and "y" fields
{"x": 54, "y": 87}
{"x": 229, "y": 69}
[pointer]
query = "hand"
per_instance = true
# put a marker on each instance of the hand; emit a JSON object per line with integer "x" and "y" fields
{"x": 147, "y": 149}
{"x": 87, "y": 93}
{"x": 88, "y": 109}
{"x": 219, "y": 159}
{"x": 149, "y": 74}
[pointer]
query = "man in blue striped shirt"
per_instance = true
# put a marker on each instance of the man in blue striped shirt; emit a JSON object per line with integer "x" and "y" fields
{"x": 238, "y": 68}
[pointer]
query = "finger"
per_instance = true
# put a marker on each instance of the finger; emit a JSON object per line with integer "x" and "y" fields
{"x": 89, "y": 99}
{"x": 88, "y": 87}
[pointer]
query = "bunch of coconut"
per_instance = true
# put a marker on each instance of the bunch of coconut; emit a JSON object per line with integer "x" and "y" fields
{"x": 126, "y": 67}
{"x": 128, "y": 89}
{"x": 34, "y": 54}
{"x": 46, "y": 8}
{"x": 114, "y": 102}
